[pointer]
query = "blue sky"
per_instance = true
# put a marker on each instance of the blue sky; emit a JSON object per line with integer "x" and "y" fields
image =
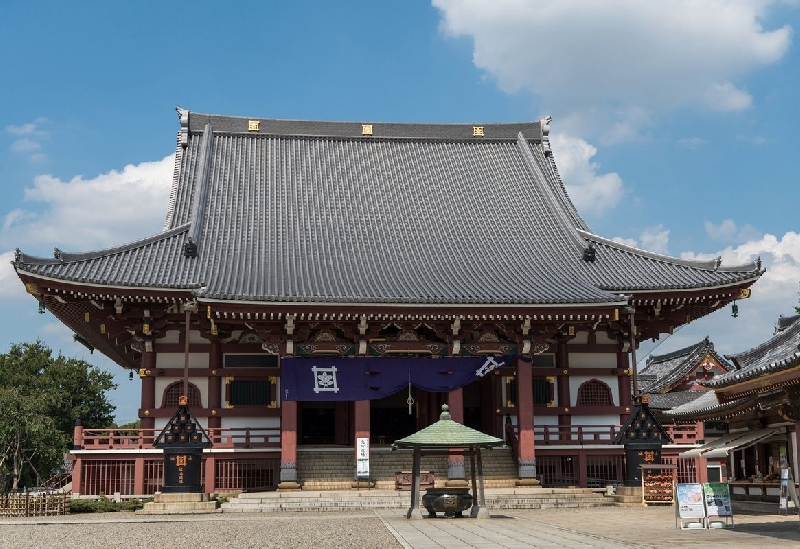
{"x": 675, "y": 124}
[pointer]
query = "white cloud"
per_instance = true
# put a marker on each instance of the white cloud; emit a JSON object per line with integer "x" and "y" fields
{"x": 656, "y": 239}
{"x": 619, "y": 61}
{"x": 30, "y": 135}
{"x": 652, "y": 239}
{"x": 775, "y": 294}
{"x": 590, "y": 191}
{"x": 10, "y": 285}
{"x": 87, "y": 214}
{"x": 728, "y": 231}
{"x": 25, "y": 145}
{"x": 30, "y": 128}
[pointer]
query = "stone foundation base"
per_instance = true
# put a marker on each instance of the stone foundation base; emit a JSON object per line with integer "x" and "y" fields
{"x": 456, "y": 483}
{"x": 533, "y": 482}
{"x": 361, "y": 484}
{"x": 288, "y": 486}
{"x": 179, "y": 504}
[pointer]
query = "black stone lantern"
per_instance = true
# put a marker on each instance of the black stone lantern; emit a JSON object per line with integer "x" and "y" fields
{"x": 642, "y": 436}
{"x": 182, "y": 440}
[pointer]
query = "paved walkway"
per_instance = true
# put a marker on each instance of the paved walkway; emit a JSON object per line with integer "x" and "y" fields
{"x": 599, "y": 528}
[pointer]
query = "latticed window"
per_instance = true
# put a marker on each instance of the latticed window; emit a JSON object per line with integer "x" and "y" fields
{"x": 594, "y": 393}
{"x": 175, "y": 390}
{"x": 541, "y": 391}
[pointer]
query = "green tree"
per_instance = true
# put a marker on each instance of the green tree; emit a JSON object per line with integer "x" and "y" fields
{"x": 41, "y": 396}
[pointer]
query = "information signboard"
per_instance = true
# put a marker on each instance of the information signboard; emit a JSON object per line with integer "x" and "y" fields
{"x": 783, "y": 502}
{"x": 690, "y": 501}
{"x": 718, "y": 500}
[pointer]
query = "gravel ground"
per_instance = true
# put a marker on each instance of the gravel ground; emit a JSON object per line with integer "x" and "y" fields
{"x": 284, "y": 530}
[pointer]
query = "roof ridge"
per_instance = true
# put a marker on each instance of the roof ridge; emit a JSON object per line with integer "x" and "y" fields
{"x": 200, "y": 198}
{"x": 789, "y": 332}
{"x": 364, "y": 129}
{"x": 679, "y": 352}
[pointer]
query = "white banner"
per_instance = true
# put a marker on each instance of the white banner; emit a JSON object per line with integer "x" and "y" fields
{"x": 362, "y": 458}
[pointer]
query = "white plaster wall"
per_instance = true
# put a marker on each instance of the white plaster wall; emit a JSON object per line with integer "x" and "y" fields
{"x": 196, "y": 337}
{"x": 172, "y": 336}
{"x": 603, "y": 423}
{"x": 175, "y": 360}
{"x": 592, "y": 360}
{"x": 602, "y": 337}
{"x": 604, "y": 420}
{"x": 576, "y": 381}
{"x": 542, "y": 421}
{"x": 581, "y": 338}
{"x": 258, "y": 422}
{"x": 545, "y": 420}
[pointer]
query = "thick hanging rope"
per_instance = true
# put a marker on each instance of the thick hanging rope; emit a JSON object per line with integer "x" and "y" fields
{"x": 410, "y": 399}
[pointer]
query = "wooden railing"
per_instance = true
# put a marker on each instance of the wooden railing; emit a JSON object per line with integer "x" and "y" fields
{"x": 261, "y": 437}
{"x": 575, "y": 434}
{"x": 601, "y": 434}
{"x": 135, "y": 439}
{"x": 34, "y": 504}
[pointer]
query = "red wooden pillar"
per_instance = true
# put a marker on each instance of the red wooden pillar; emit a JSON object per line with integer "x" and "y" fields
{"x": 77, "y": 440}
{"x": 527, "y": 452}
{"x": 138, "y": 476}
{"x": 456, "y": 477}
{"x": 624, "y": 384}
{"x": 77, "y": 476}
{"x": 148, "y": 398}
{"x": 210, "y": 484}
{"x": 214, "y": 385}
{"x": 361, "y": 411}
{"x": 148, "y": 405}
{"x": 564, "y": 397}
{"x": 288, "y": 478}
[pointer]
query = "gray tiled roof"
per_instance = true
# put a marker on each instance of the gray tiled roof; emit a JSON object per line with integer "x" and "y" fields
{"x": 667, "y": 401}
{"x": 416, "y": 213}
{"x": 663, "y": 371}
{"x": 780, "y": 352}
{"x": 707, "y": 406}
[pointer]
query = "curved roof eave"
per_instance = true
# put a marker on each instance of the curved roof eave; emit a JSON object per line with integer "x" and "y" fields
{"x": 709, "y": 265}
{"x": 60, "y": 256}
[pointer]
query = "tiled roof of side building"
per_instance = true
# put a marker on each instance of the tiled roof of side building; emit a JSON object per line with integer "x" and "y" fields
{"x": 662, "y": 371}
{"x": 668, "y": 401}
{"x": 293, "y": 211}
{"x": 707, "y": 405}
{"x": 778, "y": 353}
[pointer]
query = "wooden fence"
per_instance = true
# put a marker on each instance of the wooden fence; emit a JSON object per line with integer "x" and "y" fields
{"x": 34, "y": 504}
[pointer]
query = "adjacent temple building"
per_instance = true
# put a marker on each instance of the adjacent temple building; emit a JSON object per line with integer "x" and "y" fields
{"x": 323, "y": 282}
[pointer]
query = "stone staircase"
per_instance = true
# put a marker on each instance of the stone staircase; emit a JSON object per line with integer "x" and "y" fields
{"x": 348, "y": 500}
{"x": 333, "y": 469}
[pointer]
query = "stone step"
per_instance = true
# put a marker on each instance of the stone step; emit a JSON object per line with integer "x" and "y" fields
{"x": 516, "y": 498}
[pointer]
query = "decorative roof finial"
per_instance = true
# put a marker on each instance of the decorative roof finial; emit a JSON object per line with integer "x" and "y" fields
{"x": 190, "y": 249}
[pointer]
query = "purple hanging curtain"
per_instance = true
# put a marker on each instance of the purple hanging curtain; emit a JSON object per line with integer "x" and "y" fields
{"x": 369, "y": 378}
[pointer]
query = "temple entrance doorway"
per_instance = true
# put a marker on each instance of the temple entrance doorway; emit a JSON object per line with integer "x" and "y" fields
{"x": 317, "y": 423}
